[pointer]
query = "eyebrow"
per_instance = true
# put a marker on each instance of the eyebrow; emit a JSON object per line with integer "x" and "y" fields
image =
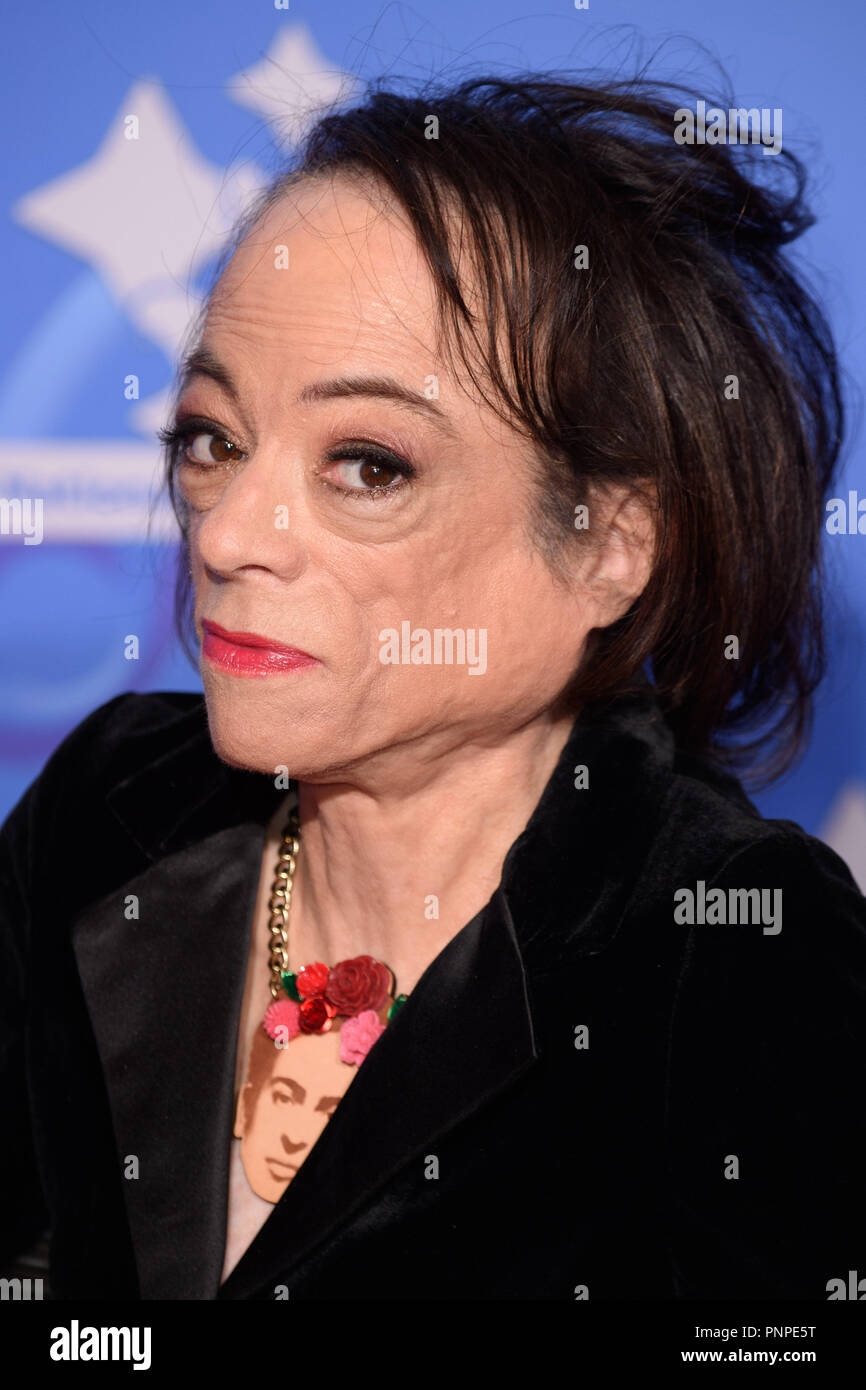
{"x": 203, "y": 362}
{"x": 295, "y": 1087}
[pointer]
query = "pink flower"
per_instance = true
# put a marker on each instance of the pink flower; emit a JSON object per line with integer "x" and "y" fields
{"x": 283, "y": 1013}
{"x": 358, "y": 1034}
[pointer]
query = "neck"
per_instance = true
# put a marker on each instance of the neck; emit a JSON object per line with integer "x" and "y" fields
{"x": 395, "y": 871}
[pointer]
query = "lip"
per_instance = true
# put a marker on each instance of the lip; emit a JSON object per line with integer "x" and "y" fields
{"x": 249, "y": 654}
{"x": 278, "y": 1163}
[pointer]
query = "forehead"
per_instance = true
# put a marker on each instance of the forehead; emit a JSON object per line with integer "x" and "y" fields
{"x": 309, "y": 1058}
{"x": 329, "y": 268}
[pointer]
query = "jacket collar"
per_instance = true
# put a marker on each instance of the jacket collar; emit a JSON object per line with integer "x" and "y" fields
{"x": 166, "y": 1013}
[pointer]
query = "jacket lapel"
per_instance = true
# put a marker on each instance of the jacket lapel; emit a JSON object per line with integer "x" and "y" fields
{"x": 164, "y": 991}
{"x": 164, "y": 995}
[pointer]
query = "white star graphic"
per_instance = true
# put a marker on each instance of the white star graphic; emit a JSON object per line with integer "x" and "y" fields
{"x": 146, "y": 213}
{"x": 291, "y": 85}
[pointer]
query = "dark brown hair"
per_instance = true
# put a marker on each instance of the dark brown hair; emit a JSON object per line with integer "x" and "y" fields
{"x": 617, "y": 372}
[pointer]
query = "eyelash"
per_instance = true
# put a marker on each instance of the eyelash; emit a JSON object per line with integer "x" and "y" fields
{"x": 176, "y": 435}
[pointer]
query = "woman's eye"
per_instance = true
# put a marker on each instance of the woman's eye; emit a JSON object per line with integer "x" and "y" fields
{"x": 200, "y": 444}
{"x": 363, "y": 474}
{"x": 212, "y": 448}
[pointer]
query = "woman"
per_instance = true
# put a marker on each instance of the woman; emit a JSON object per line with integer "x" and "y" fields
{"x": 438, "y": 951}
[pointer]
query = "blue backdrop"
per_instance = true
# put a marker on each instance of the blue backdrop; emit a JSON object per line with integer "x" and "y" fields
{"x": 134, "y": 134}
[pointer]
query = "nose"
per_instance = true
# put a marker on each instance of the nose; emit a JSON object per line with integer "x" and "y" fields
{"x": 259, "y": 521}
{"x": 289, "y": 1147}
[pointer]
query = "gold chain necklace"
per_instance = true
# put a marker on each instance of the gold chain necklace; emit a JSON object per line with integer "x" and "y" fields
{"x": 280, "y": 903}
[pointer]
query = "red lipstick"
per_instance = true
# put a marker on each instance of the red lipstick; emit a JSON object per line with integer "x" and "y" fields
{"x": 248, "y": 654}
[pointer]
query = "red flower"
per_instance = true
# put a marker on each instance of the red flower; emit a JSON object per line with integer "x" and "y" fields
{"x": 312, "y": 980}
{"x": 358, "y": 984}
{"x": 316, "y": 1015}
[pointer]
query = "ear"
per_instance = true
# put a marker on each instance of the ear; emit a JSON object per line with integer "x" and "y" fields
{"x": 620, "y": 546}
{"x": 241, "y": 1117}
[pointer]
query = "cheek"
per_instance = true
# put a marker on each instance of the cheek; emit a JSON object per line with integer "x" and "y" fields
{"x": 429, "y": 583}
{"x": 537, "y": 629}
{"x": 495, "y": 607}
{"x": 378, "y": 593}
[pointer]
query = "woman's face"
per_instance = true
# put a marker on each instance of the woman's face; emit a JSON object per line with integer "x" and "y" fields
{"x": 280, "y": 1119}
{"x": 354, "y": 524}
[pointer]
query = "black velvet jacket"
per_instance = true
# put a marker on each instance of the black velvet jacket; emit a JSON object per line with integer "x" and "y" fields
{"x": 622, "y": 1105}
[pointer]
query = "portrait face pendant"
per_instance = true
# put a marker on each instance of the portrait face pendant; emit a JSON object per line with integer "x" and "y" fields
{"x": 291, "y": 1090}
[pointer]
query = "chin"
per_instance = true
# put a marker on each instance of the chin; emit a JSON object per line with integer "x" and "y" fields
{"x": 250, "y": 738}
